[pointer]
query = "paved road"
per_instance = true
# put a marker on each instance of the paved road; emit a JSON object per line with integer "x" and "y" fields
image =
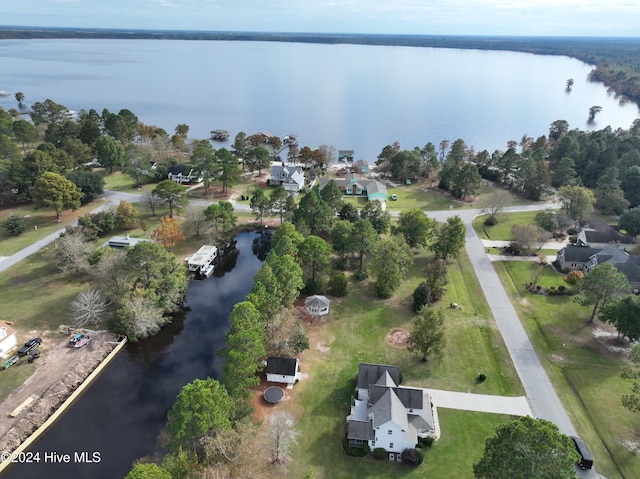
{"x": 111, "y": 199}
{"x": 541, "y": 395}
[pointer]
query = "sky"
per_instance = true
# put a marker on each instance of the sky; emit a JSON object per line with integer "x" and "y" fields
{"x": 428, "y": 17}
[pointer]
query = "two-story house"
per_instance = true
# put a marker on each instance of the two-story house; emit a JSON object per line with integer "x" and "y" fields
{"x": 386, "y": 415}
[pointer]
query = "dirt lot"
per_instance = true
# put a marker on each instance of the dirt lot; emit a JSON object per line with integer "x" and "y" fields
{"x": 59, "y": 371}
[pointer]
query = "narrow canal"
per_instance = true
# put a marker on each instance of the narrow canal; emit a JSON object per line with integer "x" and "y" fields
{"x": 119, "y": 417}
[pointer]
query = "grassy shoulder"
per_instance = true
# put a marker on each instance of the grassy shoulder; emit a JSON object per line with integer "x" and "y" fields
{"x": 356, "y": 331}
{"x": 502, "y": 230}
{"x": 583, "y": 365}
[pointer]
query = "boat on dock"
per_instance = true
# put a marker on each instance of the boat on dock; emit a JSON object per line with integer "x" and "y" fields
{"x": 204, "y": 257}
{"x": 219, "y": 135}
{"x": 207, "y": 271}
{"x": 79, "y": 340}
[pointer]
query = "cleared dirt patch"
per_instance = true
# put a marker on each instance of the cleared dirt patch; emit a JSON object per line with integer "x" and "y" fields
{"x": 398, "y": 338}
{"x": 59, "y": 371}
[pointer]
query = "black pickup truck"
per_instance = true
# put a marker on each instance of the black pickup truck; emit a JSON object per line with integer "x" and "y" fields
{"x": 29, "y": 345}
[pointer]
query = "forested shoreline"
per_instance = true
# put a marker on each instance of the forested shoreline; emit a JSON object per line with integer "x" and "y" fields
{"x": 616, "y": 59}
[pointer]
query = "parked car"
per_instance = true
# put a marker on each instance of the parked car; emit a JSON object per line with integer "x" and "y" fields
{"x": 9, "y": 362}
{"x": 29, "y": 345}
{"x": 586, "y": 461}
{"x": 33, "y": 355}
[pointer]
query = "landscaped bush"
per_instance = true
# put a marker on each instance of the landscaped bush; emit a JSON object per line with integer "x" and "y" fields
{"x": 424, "y": 442}
{"x": 480, "y": 378}
{"x": 354, "y": 451}
{"x": 379, "y": 453}
{"x": 15, "y": 225}
{"x": 412, "y": 456}
{"x": 491, "y": 221}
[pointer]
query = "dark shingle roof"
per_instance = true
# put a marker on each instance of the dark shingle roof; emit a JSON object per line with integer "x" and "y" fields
{"x": 579, "y": 254}
{"x": 283, "y": 366}
{"x": 362, "y": 430}
{"x": 369, "y": 374}
{"x": 410, "y": 398}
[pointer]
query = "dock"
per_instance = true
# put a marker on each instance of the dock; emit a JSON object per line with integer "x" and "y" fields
{"x": 202, "y": 258}
{"x": 219, "y": 135}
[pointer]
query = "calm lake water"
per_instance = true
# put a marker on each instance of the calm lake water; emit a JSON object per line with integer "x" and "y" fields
{"x": 122, "y": 412}
{"x": 348, "y": 96}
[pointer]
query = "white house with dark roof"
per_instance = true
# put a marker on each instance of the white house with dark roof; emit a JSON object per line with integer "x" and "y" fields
{"x": 386, "y": 415}
{"x": 291, "y": 177}
{"x": 282, "y": 370}
{"x": 184, "y": 174}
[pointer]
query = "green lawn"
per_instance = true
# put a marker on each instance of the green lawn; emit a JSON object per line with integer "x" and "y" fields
{"x": 585, "y": 374}
{"x": 44, "y": 219}
{"x": 502, "y": 230}
{"x": 355, "y": 332}
{"x": 119, "y": 181}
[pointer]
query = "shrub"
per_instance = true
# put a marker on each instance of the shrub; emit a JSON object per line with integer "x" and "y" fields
{"x": 344, "y": 264}
{"x": 15, "y": 225}
{"x": 424, "y": 442}
{"x": 491, "y": 221}
{"x": 562, "y": 288}
{"x": 421, "y": 296}
{"x": 379, "y": 453}
{"x": 412, "y": 456}
{"x": 361, "y": 274}
{"x": 338, "y": 283}
{"x": 572, "y": 231}
{"x": 480, "y": 378}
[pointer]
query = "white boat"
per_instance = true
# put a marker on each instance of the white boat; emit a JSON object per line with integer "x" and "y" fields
{"x": 4, "y": 93}
{"x": 203, "y": 257}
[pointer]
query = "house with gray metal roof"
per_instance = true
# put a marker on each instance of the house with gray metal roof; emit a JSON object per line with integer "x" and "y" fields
{"x": 354, "y": 184}
{"x": 386, "y": 415}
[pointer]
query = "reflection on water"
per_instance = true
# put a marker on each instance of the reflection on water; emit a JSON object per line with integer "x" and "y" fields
{"x": 122, "y": 413}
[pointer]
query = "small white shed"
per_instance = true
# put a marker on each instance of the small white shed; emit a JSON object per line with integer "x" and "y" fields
{"x": 8, "y": 339}
{"x": 317, "y": 305}
{"x": 282, "y": 370}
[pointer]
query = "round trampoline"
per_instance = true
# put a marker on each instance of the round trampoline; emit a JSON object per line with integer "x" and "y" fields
{"x": 273, "y": 394}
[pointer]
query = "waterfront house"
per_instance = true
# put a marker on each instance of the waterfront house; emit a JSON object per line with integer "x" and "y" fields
{"x": 184, "y": 174}
{"x": 124, "y": 241}
{"x": 386, "y": 415}
{"x": 291, "y": 177}
{"x": 282, "y": 370}
{"x": 354, "y": 184}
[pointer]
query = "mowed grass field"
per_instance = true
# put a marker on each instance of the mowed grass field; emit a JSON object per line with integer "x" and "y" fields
{"x": 355, "y": 332}
{"x": 584, "y": 363}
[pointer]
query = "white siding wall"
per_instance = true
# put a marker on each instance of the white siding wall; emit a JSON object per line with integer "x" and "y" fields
{"x": 393, "y": 442}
